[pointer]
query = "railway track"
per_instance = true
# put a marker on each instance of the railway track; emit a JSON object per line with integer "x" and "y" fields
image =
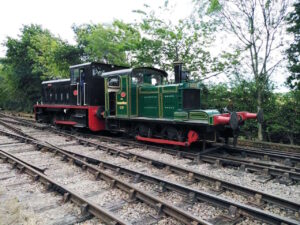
{"x": 248, "y": 144}
{"x": 269, "y": 146}
{"x": 260, "y": 150}
{"x": 259, "y": 199}
{"x": 283, "y": 166}
{"x": 121, "y": 203}
{"x": 22, "y": 200}
{"x": 60, "y": 215}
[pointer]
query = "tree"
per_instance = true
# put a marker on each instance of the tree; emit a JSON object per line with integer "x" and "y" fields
{"x": 294, "y": 49}
{"x": 188, "y": 41}
{"x": 281, "y": 111}
{"x": 112, "y": 43}
{"x": 284, "y": 121}
{"x": 54, "y": 56}
{"x": 257, "y": 26}
{"x": 34, "y": 56}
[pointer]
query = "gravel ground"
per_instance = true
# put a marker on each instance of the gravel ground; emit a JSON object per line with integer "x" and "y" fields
{"x": 199, "y": 209}
{"x": 93, "y": 221}
{"x": 248, "y": 221}
{"x": 131, "y": 212}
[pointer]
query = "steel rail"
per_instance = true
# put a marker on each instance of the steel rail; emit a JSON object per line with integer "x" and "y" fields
{"x": 272, "y": 151}
{"x": 41, "y": 170}
{"x": 190, "y": 193}
{"x": 250, "y": 166}
{"x": 266, "y": 153}
{"x": 134, "y": 193}
{"x": 14, "y": 129}
{"x": 270, "y": 146}
{"x": 265, "y": 150}
{"x": 266, "y": 169}
{"x": 276, "y": 154}
{"x": 242, "y": 160}
{"x": 68, "y": 195}
{"x": 222, "y": 184}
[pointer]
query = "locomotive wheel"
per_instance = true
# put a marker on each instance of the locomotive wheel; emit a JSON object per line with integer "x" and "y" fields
{"x": 173, "y": 134}
{"x": 73, "y": 130}
{"x": 53, "y": 121}
{"x": 144, "y": 131}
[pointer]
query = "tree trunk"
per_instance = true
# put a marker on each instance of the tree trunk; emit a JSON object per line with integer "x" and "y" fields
{"x": 259, "y": 101}
{"x": 291, "y": 139}
{"x": 269, "y": 137}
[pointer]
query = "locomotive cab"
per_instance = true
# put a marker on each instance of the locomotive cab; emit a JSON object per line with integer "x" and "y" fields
{"x": 87, "y": 85}
{"x": 76, "y": 101}
{"x": 122, "y": 89}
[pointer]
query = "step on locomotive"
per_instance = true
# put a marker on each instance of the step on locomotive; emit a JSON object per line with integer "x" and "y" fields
{"x": 136, "y": 101}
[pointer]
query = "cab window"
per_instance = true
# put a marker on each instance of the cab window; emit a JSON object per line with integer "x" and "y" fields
{"x": 137, "y": 79}
{"x": 96, "y": 71}
{"x": 155, "y": 79}
{"x": 114, "y": 82}
{"x": 148, "y": 76}
{"x": 74, "y": 76}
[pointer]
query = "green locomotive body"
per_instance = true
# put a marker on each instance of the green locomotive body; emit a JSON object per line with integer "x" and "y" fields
{"x": 178, "y": 102}
{"x": 139, "y": 103}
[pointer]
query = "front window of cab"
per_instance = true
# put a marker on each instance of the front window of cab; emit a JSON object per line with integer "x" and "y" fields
{"x": 147, "y": 76}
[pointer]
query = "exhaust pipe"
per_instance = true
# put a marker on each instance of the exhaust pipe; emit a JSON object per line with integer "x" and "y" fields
{"x": 178, "y": 72}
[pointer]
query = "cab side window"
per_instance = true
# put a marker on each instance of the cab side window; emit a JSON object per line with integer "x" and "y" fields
{"x": 114, "y": 82}
{"x": 74, "y": 76}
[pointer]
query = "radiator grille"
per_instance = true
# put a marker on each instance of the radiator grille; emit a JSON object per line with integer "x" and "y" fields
{"x": 191, "y": 99}
{"x": 198, "y": 116}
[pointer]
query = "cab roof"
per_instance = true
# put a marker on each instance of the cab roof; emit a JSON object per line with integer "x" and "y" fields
{"x": 96, "y": 63}
{"x": 132, "y": 70}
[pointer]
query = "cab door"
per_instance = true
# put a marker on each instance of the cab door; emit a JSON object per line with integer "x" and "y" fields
{"x": 122, "y": 98}
{"x": 133, "y": 92}
{"x": 81, "y": 87}
{"x": 74, "y": 87}
{"x": 112, "y": 87}
{"x": 78, "y": 87}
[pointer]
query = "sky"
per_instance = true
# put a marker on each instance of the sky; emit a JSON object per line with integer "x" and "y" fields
{"x": 59, "y": 15}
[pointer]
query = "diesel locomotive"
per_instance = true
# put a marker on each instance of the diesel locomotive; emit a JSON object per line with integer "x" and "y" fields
{"x": 136, "y": 101}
